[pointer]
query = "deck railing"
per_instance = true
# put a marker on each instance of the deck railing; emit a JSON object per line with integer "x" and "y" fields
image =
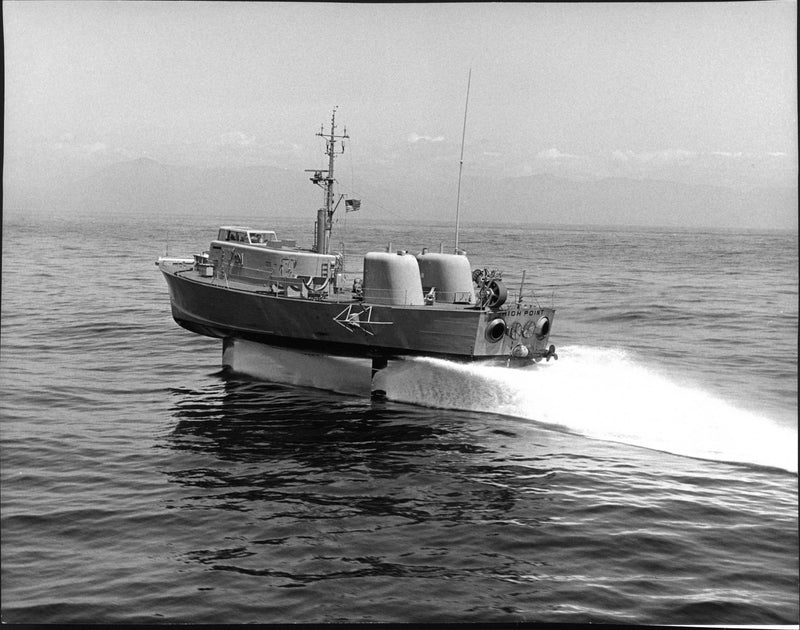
{"x": 294, "y": 287}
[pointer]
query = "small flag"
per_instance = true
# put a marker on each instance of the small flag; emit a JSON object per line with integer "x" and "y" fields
{"x": 352, "y": 205}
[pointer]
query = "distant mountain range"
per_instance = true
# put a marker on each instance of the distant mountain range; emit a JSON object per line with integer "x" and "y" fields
{"x": 146, "y": 187}
{"x": 645, "y": 202}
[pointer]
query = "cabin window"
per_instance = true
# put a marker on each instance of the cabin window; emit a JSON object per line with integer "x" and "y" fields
{"x": 246, "y": 236}
{"x": 262, "y": 237}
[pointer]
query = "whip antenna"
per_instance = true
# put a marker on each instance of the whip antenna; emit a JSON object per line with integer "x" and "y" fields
{"x": 461, "y": 162}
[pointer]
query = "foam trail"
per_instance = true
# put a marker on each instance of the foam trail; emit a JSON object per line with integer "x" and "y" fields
{"x": 601, "y": 394}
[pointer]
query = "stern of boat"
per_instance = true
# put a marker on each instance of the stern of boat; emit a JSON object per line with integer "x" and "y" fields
{"x": 520, "y": 332}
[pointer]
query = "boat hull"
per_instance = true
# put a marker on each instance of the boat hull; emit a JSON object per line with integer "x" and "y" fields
{"x": 340, "y": 327}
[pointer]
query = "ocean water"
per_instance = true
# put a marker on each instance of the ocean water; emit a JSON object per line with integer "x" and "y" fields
{"x": 648, "y": 476}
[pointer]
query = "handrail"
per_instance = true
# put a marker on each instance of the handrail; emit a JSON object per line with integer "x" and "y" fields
{"x": 256, "y": 276}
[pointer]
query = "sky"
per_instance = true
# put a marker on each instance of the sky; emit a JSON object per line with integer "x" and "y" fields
{"x": 583, "y": 90}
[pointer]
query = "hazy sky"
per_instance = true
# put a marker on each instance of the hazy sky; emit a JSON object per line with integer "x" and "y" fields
{"x": 576, "y": 89}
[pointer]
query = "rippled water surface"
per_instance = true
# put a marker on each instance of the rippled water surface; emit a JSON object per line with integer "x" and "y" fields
{"x": 649, "y": 476}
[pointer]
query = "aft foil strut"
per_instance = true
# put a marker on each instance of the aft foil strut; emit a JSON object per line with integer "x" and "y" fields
{"x": 378, "y": 363}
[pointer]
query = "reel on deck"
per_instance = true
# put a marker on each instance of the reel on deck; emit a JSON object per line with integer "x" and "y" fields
{"x": 492, "y": 293}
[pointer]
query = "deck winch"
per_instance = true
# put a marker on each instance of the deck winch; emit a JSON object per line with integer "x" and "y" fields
{"x": 492, "y": 293}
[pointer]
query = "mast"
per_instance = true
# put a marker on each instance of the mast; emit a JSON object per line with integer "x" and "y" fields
{"x": 461, "y": 162}
{"x": 324, "y": 223}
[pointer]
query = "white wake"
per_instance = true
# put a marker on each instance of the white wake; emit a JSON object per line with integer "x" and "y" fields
{"x": 601, "y": 394}
{"x": 597, "y": 393}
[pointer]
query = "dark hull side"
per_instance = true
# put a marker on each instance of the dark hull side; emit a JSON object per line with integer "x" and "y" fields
{"x": 345, "y": 328}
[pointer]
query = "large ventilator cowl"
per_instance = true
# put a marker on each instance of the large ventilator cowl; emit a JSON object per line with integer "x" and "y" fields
{"x": 449, "y": 275}
{"x": 392, "y": 278}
